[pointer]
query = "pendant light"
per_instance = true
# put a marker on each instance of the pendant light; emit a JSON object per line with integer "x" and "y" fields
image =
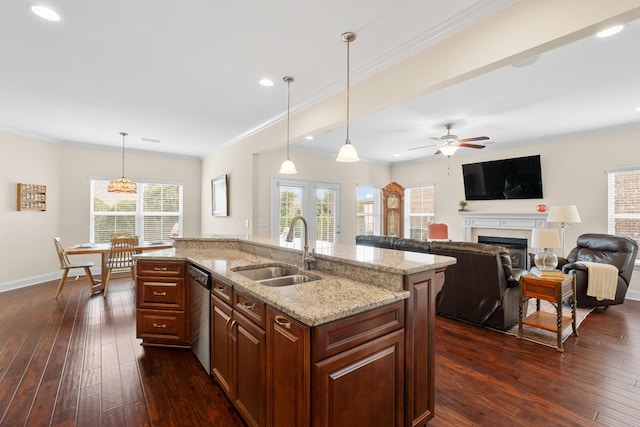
{"x": 122, "y": 184}
{"x": 348, "y": 152}
{"x": 287, "y": 167}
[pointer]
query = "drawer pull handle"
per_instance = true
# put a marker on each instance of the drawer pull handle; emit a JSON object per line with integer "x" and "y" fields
{"x": 222, "y": 289}
{"x": 160, "y": 325}
{"x": 248, "y": 306}
{"x": 159, "y": 294}
{"x": 232, "y": 334}
{"x": 159, "y": 268}
{"x": 283, "y": 322}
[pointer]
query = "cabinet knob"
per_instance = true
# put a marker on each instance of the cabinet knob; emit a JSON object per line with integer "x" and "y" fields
{"x": 283, "y": 322}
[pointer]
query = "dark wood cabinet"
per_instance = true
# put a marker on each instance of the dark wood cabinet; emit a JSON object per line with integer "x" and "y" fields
{"x": 238, "y": 355}
{"x": 161, "y": 303}
{"x": 372, "y": 368}
{"x": 362, "y": 386}
{"x": 419, "y": 346}
{"x": 288, "y": 371}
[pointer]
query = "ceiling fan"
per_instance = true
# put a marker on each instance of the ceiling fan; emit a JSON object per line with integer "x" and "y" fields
{"x": 448, "y": 144}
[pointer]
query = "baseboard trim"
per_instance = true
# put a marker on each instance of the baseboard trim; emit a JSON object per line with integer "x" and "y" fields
{"x": 36, "y": 280}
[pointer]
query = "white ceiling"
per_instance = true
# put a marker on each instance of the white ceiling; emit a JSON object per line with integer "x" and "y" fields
{"x": 185, "y": 73}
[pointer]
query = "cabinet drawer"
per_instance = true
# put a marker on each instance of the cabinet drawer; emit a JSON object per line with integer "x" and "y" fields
{"x": 160, "y": 292}
{"x": 160, "y": 268}
{"x": 334, "y": 337}
{"x": 251, "y": 308}
{"x": 222, "y": 291}
{"x": 165, "y": 326}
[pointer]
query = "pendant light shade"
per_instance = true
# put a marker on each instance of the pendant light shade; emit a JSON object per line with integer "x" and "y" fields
{"x": 348, "y": 153}
{"x": 122, "y": 184}
{"x": 288, "y": 167}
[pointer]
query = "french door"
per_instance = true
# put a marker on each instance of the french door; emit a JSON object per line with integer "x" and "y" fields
{"x": 318, "y": 202}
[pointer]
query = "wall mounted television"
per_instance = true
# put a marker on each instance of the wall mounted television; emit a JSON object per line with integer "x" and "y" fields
{"x": 517, "y": 178}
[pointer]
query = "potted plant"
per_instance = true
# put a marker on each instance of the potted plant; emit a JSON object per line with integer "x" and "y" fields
{"x": 462, "y": 205}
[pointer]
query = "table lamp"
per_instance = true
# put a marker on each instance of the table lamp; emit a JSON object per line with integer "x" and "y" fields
{"x": 564, "y": 215}
{"x": 545, "y": 239}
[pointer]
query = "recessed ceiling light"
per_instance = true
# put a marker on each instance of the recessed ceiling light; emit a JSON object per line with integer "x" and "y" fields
{"x": 610, "y": 31}
{"x": 266, "y": 82}
{"x": 308, "y": 137}
{"x": 396, "y": 155}
{"x": 638, "y": 109}
{"x": 45, "y": 13}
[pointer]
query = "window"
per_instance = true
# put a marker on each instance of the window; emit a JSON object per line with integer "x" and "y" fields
{"x": 419, "y": 208}
{"x": 318, "y": 202}
{"x": 154, "y": 213}
{"x": 624, "y": 202}
{"x": 368, "y": 210}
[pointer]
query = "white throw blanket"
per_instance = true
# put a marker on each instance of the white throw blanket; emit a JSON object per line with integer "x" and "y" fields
{"x": 603, "y": 280}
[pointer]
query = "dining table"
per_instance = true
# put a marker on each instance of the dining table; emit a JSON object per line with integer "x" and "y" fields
{"x": 104, "y": 248}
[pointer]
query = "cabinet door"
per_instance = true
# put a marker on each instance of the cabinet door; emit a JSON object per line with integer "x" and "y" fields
{"x": 288, "y": 372}
{"x": 221, "y": 345}
{"x": 363, "y": 386}
{"x": 249, "y": 341}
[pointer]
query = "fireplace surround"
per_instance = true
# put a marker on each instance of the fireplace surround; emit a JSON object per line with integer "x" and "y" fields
{"x": 516, "y": 247}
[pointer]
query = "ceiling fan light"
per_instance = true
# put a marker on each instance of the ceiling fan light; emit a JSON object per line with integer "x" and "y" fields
{"x": 347, "y": 153}
{"x": 449, "y": 150}
{"x": 288, "y": 168}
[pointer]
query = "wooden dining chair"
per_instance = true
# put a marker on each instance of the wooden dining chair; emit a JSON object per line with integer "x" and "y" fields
{"x": 120, "y": 256}
{"x": 66, "y": 265}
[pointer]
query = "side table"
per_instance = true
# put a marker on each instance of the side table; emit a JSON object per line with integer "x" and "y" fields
{"x": 554, "y": 291}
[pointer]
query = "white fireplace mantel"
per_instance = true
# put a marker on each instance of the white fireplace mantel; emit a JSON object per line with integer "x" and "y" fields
{"x": 510, "y": 221}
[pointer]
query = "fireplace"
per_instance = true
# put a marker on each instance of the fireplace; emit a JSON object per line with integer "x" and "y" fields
{"x": 516, "y": 247}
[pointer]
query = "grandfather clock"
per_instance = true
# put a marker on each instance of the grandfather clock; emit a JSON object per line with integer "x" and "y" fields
{"x": 393, "y": 203}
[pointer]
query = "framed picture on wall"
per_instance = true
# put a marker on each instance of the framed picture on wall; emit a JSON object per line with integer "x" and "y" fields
{"x": 220, "y": 196}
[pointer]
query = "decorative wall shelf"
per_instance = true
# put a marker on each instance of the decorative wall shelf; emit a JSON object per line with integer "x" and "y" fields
{"x": 32, "y": 197}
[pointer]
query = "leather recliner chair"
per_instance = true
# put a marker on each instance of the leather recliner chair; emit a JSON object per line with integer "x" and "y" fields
{"x": 604, "y": 248}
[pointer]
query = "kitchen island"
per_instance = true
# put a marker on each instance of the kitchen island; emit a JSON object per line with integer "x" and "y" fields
{"x": 311, "y": 353}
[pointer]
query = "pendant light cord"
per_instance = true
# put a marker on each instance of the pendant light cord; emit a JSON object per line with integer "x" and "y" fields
{"x": 288, "y": 111}
{"x": 348, "y": 43}
{"x": 123, "y": 135}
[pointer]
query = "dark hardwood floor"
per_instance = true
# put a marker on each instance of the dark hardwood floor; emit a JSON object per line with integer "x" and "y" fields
{"x": 76, "y": 361}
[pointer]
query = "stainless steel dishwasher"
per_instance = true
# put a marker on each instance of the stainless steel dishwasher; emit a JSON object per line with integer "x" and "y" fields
{"x": 200, "y": 299}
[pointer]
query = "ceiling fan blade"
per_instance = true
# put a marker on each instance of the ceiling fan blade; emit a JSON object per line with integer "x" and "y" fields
{"x": 421, "y": 147}
{"x": 471, "y": 145}
{"x": 477, "y": 138}
{"x": 435, "y": 138}
{"x": 437, "y": 152}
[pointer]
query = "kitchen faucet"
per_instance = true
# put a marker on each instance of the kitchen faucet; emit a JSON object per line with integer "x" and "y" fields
{"x": 308, "y": 259}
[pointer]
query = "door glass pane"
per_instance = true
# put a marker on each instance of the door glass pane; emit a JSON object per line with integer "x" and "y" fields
{"x": 291, "y": 199}
{"x": 325, "y": 215}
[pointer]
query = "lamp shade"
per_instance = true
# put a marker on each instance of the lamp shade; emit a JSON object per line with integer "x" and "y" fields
{"x": 288, "y": 168}
{"x": 545, "y": 238}
{"x": 348, "y": 153}
{"x": 564, "y": 214}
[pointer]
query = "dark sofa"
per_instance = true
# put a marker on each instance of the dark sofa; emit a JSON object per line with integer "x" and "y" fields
{"x": 481, "y": 288}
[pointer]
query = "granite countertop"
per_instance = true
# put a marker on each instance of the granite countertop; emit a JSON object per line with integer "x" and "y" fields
{"x": 329, "y": 298}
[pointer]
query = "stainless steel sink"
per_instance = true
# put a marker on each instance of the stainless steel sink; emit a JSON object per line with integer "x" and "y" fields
{"x": 276, "y": 275}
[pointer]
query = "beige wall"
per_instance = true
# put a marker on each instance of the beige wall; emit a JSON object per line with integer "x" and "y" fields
{"x": 66, "y": 171}
{"x": 573, "y": 173}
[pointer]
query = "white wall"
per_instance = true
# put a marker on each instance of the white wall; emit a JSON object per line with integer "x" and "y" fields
{"x": 27, "y": 252}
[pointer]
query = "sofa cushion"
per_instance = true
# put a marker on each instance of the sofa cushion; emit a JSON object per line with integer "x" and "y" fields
{"x": 377, "y": 241}
{"x": 412, "y": 245}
